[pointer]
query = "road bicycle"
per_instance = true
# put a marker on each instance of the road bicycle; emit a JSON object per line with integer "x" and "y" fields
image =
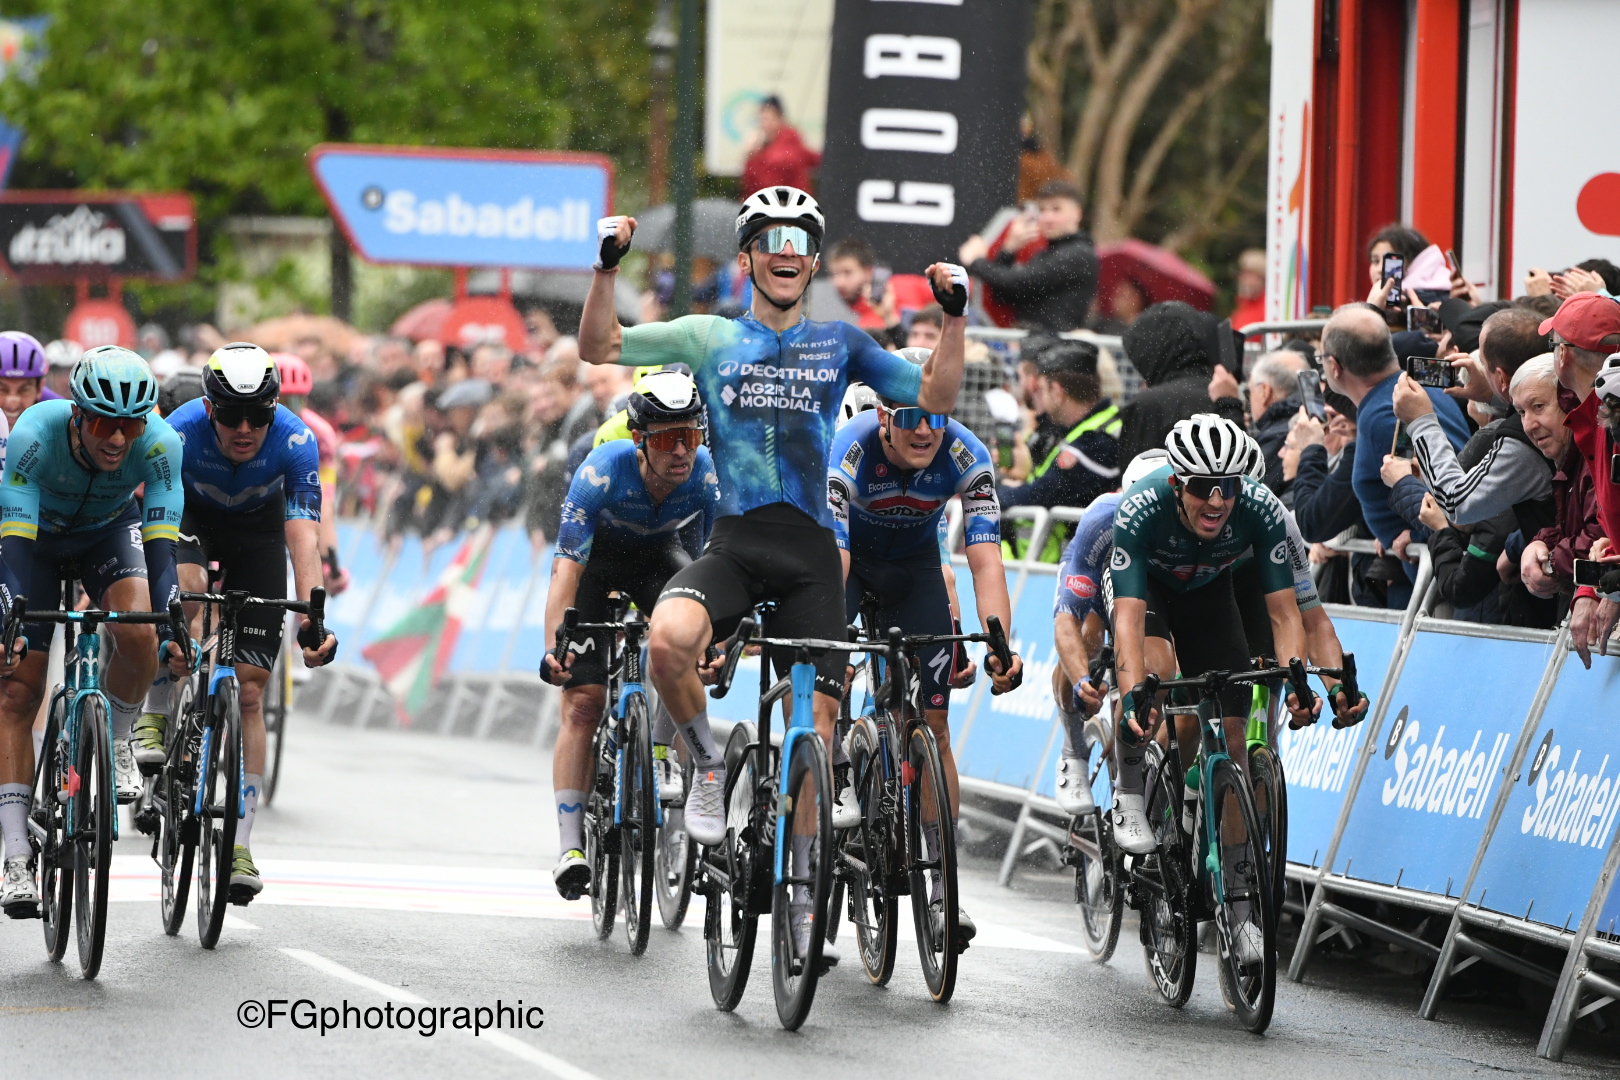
{"x": 75, "y": 817}
{"x": 905, "y": 843}
{"x": 278, "y": 700}
{"x": 1211, "y": 873}
{"x": 199, "y": 793}
{"x": 622, "y": 810}
{"x": 675, "y": 856}
{"x": 772, "y": 795}
{"x": 1090, "y": 846}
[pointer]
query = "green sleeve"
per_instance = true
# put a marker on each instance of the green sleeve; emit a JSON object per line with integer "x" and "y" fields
{"x": 685, "y": 340}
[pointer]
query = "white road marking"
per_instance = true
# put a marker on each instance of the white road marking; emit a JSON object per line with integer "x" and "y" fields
{"x": 236, "y": 922}
{"x": 511, "y": 892}
{"x": 552, "y": 1064}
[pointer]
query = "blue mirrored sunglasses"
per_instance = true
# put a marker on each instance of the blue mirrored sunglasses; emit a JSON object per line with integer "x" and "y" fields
{"x": 775, "y": 240}
{"x": 908, "y": 418}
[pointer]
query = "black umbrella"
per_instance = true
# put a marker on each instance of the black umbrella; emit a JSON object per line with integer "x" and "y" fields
{"x": 714, "y": 227}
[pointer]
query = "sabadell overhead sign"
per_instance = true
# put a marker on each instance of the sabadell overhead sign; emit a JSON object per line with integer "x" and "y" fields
{"x": 466, "y": 207}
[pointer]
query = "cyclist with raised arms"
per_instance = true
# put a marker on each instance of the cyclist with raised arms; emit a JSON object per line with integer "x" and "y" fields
{"x": 891, "y": 471}
{"x": 252, "y": 497}
{"x": 630, "y": 504}
{"x": 68, "y": 500}
{"x": 773, "y": 380}
{"x": 1176, "y": 535}
{"x": 296, "y": 383}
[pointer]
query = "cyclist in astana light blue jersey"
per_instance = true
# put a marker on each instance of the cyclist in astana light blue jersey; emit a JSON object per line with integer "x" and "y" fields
{"x": 891, "y": 472}
{"x": 253, "y": 500}
{"x": 637, "y": 512}
{"x": 68, "y": 499}
{"x": 772, "y": 381}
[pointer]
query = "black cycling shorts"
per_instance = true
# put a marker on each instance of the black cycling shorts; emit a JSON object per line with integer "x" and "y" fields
{"x": 1207, "y": 630}
{"x": 97, "y": 557}
{"x": 1251, "y": 601}
{"x": 778, "y": 553}
{"x": 911, "y": 595}
{"x": 251, "y": 550}
{"x": 638, "y": 574}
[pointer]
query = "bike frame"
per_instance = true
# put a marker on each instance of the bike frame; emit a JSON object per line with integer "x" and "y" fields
{"x": 81, "y": 679}
{"x": 802, "y": 677}
{"x": 624, "y": 679}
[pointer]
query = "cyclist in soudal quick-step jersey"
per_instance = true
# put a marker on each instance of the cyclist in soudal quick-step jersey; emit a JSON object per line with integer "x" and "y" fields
{"x": 253, "y": 498}
{"x": 891, "y": 471}
{"x": 68, "y": 500}
{"x": 773, "y": 381}
{"x": 1176, "y": 535}
{"x": 296, "y": 383}
{"x": 627, "y": 527}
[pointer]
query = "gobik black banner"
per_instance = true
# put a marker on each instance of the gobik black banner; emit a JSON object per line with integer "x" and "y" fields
{"x": 922, "y": 123}
{"x": 53, "y": 236}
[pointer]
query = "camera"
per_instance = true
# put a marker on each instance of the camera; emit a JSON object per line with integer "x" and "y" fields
{"x": 1436, "y": 373}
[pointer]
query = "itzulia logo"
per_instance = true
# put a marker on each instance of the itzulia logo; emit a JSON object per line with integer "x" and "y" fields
{"x": 569, "y": 221}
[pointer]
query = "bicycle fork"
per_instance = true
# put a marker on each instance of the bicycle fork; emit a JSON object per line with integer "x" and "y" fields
{"x": 803, "y": 720}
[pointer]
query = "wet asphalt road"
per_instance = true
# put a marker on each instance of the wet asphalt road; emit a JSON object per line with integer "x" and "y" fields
{"x": 415, "y": 870}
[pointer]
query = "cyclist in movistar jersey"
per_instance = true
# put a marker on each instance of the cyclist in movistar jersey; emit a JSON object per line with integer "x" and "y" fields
{"x": 773, "y": 380}
{"x": 629, "y": 506}
{"x": 68, "y": 500}
{"x": 296, "y": 383}
{"x": 890, "y": 474}
{"x": 1176, "y": 535}
{"x": 252, "y": 497}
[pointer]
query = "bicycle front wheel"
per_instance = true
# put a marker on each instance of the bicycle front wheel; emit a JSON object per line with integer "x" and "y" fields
{"x": 55, "y": 847}
{"x": 91, "y": 817}
{"x": 177, "y": 825}
{"x": 730, "y": 923}
{"x": 935, "y": 906}
{"x": 1163, "y": 884}
{"x": 1245, "y": 922}
{"x": 1096, "y": 866}
{"x": 221, "y": 781}
{"x": 674, "y": 862}
{"x": 799, "y": 904}
{"x": 1271, "y": 806}
{"x": 638, "y": 812}
{"x": 869, "y": 853}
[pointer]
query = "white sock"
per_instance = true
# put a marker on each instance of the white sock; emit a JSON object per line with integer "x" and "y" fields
{"x": 700, "y": 741}
{"x": 123, "y": 716}
{"x": 14, "y": 802}
{"x": 1074, "y": 727}
{"x": 571, "y": 819}
{"x": 801, "y": 867}
{"x": 159, "y": 697}
{"x": 244, "y": 827}
{"x": 663, "y": 726}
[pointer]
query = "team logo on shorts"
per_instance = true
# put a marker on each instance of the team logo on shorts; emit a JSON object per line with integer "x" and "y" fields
{"x": 1121, "y": 560}
{"x": 938, "y": 701}
{"x": 1279, "y": 554}
{"x": 1081, "y": 586}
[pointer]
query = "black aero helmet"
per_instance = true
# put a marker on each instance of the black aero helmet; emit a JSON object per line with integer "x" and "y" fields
{"x": 179, "y": 388}
{"x": 241, "y": 373}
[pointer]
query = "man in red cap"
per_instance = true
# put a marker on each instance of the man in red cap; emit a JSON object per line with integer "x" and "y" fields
{"x": 1586, "y": 329}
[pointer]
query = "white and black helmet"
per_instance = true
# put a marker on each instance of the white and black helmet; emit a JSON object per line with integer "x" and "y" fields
{"x": 1146, "y": 462}
{"x": 1255, "y": 469}
{"x": 1607, "y": 386}
{"x": 241, "y": 372}
{"x": 660, "y": 396}
{"x": 858, "y": 398}
{"x": 779, "y": 206}
{"x": 1207, "y": 445}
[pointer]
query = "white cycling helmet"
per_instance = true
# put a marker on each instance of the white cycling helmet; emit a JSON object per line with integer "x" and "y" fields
{"x": 858, "y": 398}
{"x": 779, "y": 206}
{"x": 1146, "y": 462}
{"x": 1256, "y": 469}
{"x": 1607, "y": 386}
{"x": 1207, "y": 445}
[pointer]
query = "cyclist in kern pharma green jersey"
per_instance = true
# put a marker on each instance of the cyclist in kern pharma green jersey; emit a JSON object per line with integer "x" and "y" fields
{"x": 772, "y": 381}
{"x": 1176, "y": 536}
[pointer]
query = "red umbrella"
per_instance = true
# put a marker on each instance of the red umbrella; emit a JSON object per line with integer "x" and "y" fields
{"x": 1159, "y": 274}
{"x": 425, "y": 320}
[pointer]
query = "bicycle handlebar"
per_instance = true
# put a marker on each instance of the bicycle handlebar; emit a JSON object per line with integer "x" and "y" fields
{"x": 1295, "y": 673}
{"x": 1352, "y": 692}
{"x": 14, "y": 621}
{"x": 735, "y": 644}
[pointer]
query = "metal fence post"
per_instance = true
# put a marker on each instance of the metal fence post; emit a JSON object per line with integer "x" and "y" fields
{"x": 1566, "y": 1002}
{"x": 1538, "y": 705}
{"x": 1369, "y": 741}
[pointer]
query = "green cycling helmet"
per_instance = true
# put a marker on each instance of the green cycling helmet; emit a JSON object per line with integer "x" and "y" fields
{"x": 110, "y": 380}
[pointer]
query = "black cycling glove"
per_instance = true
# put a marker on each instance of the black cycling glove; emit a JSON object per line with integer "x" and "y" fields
{"x": 308, "y": 640}
{"x": 611, "y": 252}
{"x": 955, "y": 301}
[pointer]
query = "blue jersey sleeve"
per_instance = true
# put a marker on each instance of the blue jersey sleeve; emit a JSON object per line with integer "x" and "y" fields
{"x": 589, "y": 492}
{"x": 840, "y": 492}
{"x": 1085, "y": 560}
{"x": 301, "y": 472}
{"x": 893, "y": 377}
{"x": 976, "y": 484}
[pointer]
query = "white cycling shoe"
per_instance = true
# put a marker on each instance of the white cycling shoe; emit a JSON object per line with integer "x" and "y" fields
{"x": 1248, "y": 944}
{"x": 1073, "y": 787}
{"x": 846, "y": 812}
{"x": 1130, "y": 821}
{"x": 706, "y": 808}
{"x": 126, "y": 774}
{"x": 20, "y": 897}
{"x": 667, "y": 770}
{"x": 803, "y": 924}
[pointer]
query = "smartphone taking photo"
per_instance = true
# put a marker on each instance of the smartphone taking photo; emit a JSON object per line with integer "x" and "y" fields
{"x": 1436, "y": 373}
{"x": 1424, "y": 319}
{"x": 1394, "y": 271}
{"x": 1310, "y": 392}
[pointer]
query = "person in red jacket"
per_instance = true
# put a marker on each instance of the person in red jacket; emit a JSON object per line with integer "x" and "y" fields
{"x": 778, "y": 156}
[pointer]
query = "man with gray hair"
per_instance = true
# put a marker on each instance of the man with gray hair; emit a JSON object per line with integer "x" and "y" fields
{"x": 1273, "y": 402}
{"x": 1358, "y": 359}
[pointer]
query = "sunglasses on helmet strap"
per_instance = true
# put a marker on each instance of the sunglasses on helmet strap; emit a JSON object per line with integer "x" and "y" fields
{"x": 231, "y": 415}
{"x": 775, "y": 240}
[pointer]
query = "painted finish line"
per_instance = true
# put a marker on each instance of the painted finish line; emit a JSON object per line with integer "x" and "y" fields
{"x": 467, "y": 890}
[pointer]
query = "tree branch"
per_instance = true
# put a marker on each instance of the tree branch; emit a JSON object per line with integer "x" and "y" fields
{"x": 1106, "y": 74}
{"x": 1220, "y": 195}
